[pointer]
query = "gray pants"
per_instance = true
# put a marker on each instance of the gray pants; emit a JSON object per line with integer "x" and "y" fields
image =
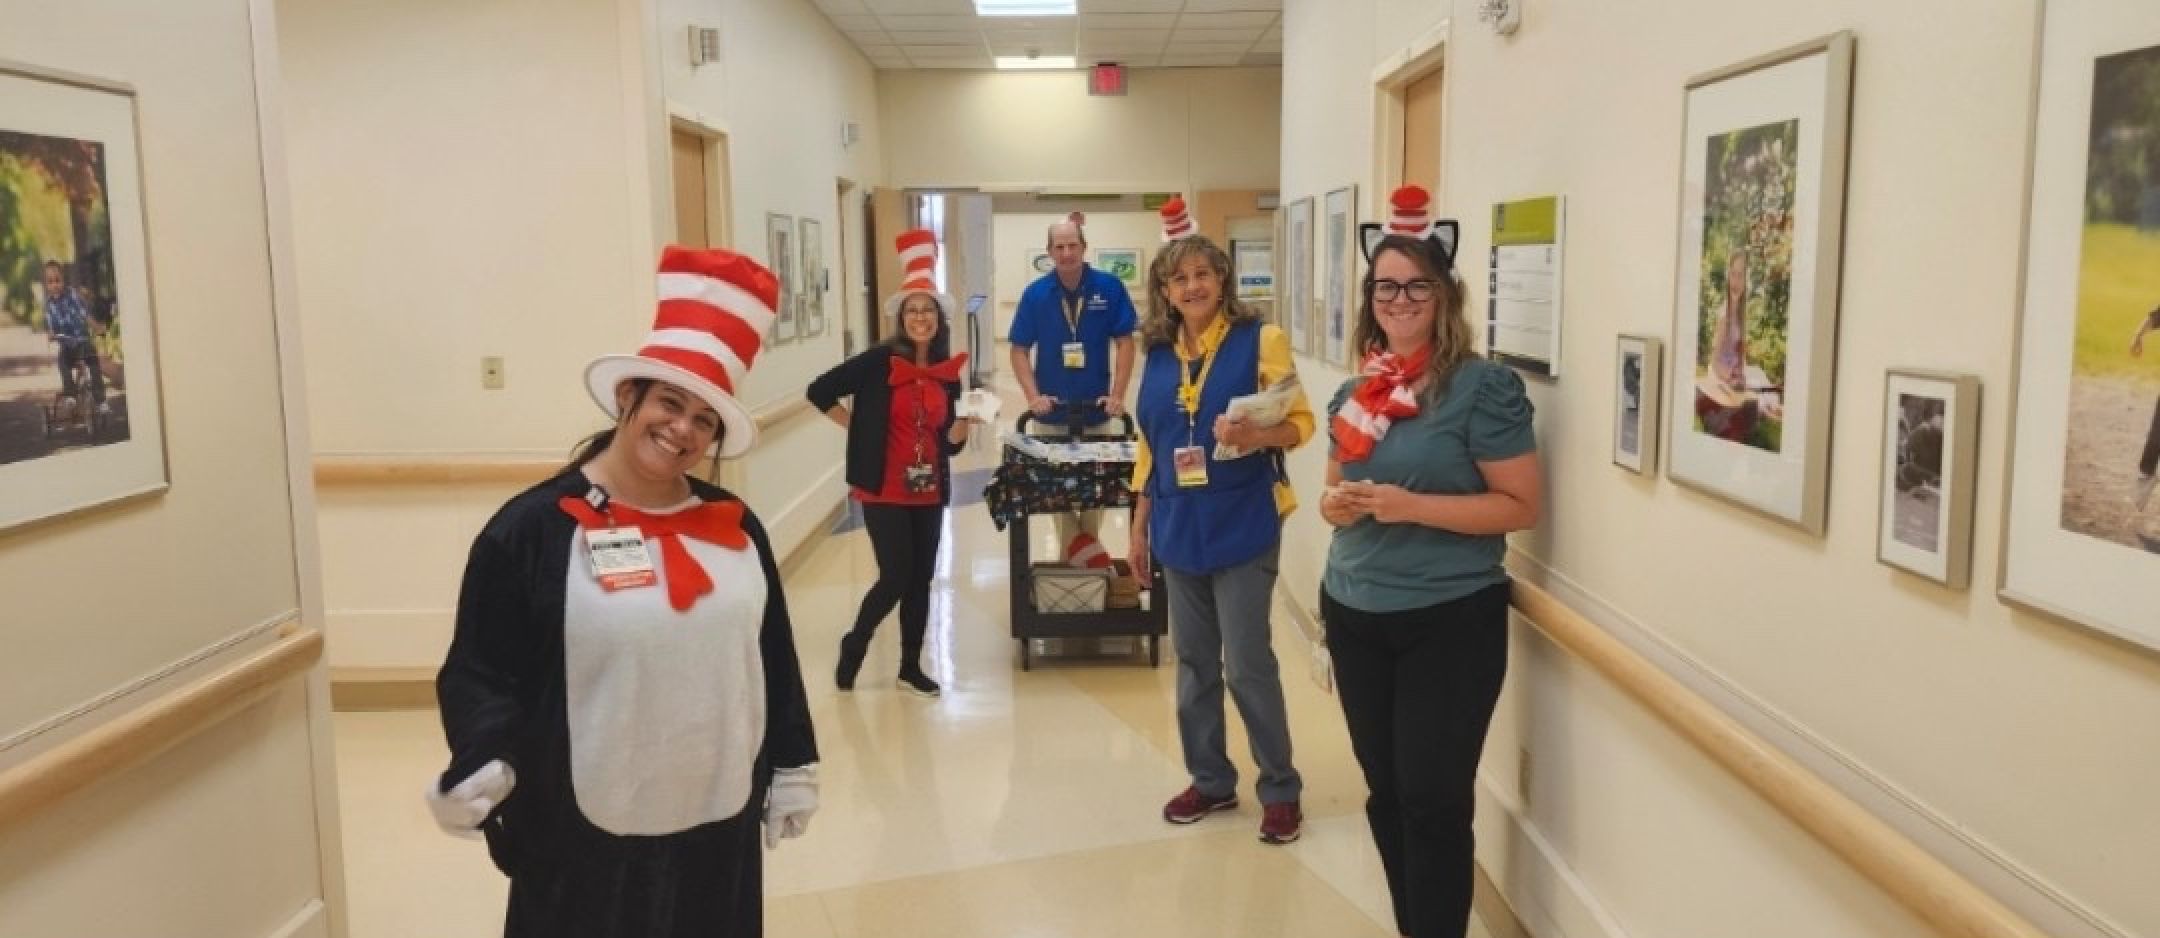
{"x": 1219, "y": 627}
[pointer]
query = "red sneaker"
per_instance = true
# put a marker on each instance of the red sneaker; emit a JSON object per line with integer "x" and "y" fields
{"x": 1279, "y": 822}
{"x": 1190, "y": 805}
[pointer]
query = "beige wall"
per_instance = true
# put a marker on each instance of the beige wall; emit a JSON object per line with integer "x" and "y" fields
{"x": 113, "y": 609}
{"x": 480, "y": 179}
{"x": 1998, "y": 738}
{"x": 1182, "y": 129}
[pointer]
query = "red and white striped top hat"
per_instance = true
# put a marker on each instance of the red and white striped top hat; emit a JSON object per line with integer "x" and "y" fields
{"x": 715, "y": 306}
{"x": 1176, "y": 222}
{"x": 1412, "y": 212}
{"x": 918, "y": 272}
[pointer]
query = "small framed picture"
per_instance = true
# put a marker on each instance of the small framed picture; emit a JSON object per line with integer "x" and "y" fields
{"x": 1638, "y": 374}
{"x": 1931, "y": 427}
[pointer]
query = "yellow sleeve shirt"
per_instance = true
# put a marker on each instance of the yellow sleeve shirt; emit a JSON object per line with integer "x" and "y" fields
{"x": 1276, "y": 363}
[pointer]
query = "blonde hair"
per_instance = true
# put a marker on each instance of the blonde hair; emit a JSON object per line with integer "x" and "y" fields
{"x": 1452, "y": 341}
{"x": 1160, "y": 327}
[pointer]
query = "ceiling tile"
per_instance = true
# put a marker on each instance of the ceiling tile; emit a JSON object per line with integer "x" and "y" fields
{"x": 1037, "y": 48}
{"x": 860, "y": 36}
{"x": 1127, "y": 20}
{"x": 1216, "y": 6}
{"x": 1214, "y": 35}
{"x": 955, "y": 7}
{"x": 1008, "y": 37}
{"x": 849, "y": 21}
{"x": 1206, "y": 48}
{"x": 1131, "y": 6}
{"x": 1157, "y": 36}
{"x": 1227, "y": 20}
{"x": 893, "y": 21}
{"x": 993, "y": 23}
{"x": 1200, "y": 61}
{"x": 843, "y": 6}
{"x": 939, "y": 37}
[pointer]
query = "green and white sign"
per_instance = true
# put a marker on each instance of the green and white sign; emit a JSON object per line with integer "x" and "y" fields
{"x": 1522, "y": 285}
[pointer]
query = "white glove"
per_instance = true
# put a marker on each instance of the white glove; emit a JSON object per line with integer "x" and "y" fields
{"x": 789, "y": 803}
{"x": 460, "y": 810}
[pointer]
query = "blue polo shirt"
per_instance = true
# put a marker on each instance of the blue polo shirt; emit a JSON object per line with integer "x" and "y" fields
{"x": 1106, "y": 312}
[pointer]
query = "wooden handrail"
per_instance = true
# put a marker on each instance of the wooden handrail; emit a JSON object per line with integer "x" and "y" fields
{"x": 141, "y": 734}
{"x": 1912, "y": 876}
{"x": 520, "y": 470}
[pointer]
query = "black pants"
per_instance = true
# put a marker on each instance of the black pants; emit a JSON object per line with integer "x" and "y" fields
{"x": 905, "y": 540}
{"x": 1417, "y": 690}
{"x": 2151, "y": 458}
{"x": 72, "y": 353}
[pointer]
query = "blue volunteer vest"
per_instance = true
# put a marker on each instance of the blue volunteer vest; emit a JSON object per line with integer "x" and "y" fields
{"x": 1231, "y": 519}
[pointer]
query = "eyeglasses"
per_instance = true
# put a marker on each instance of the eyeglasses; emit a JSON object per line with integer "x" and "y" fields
{"x": 1385, "y": 291}
{"x": 918, "y": 311}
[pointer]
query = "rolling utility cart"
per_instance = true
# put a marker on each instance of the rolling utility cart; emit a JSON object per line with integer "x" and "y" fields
{"x": 1054, "y": 600}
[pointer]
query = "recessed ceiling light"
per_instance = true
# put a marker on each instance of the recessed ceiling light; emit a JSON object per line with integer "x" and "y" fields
{"x": 1037, "y": 61}
{"x": 1025, "y": 8}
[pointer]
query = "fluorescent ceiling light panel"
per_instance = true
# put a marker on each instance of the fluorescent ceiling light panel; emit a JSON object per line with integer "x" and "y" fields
{"x": 1026, "y": 8}
{"x": 1040, "y": 61}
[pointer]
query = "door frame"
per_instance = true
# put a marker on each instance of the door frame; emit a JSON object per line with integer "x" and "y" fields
{"x": 1391, "y": 81}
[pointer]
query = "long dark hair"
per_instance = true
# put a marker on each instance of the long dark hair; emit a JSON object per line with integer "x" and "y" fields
{"x": 1452, "y": 340}
{"x": 592, "y": 446}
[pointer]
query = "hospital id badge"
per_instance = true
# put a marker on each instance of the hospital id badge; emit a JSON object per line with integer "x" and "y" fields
{"x": 619, "y": 558}
{"x": 1191, "y": 465}
{"x": 1075, "y": 355}
{"x": 920, "y": 478}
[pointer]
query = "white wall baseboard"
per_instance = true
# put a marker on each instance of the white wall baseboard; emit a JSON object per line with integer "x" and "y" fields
{"x": 309, "y": 922}
{"x": 1541, "y": 888}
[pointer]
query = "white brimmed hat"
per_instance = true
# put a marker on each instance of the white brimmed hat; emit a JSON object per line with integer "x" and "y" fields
{"x": 917, "y": 248}
{"x": 714, "y": 309}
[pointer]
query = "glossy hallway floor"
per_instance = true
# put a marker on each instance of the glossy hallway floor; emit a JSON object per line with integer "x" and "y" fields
{"x": 1019, "y": 805}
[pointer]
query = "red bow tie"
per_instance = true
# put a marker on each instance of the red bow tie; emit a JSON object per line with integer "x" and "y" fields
{"x": 718, "y": 523}
{"x": 944, "y": 372}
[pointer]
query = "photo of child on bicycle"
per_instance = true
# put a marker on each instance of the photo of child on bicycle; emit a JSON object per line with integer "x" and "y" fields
{"x": 62, "y": 382}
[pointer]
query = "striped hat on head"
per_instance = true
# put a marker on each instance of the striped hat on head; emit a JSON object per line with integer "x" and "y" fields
{"x": 1176, "y": 221}
{"x": 715, "y": 307}
{"x": 918, "y": 250}
{"x": 1411, "y": 208}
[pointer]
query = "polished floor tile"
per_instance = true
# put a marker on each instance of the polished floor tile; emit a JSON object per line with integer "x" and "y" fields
{"x": 1018, "y": 805}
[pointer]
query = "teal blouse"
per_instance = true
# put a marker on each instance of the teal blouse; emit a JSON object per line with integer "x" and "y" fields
{"x": 1484, "y": 416}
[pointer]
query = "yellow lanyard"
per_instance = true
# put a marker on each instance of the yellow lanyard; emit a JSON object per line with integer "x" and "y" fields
{"x": 1073, "y": 307}
{"x": 1189, "y": 386}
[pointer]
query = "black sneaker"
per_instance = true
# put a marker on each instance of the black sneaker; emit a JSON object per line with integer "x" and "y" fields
{"x": 920, "y": 684}
{"x": 851, "y": 656}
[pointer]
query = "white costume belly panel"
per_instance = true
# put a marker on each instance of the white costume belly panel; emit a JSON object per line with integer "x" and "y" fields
{"x": 666, "y": 709}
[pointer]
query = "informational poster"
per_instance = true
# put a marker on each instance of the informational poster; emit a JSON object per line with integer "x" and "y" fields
{"x": 1522, "y": 309}
{"x": 1254, "y": 263}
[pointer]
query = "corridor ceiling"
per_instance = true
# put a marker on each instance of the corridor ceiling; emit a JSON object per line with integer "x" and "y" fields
{"x": 902, "y": 34}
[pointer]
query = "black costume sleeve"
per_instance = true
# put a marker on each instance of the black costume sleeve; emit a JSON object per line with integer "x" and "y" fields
{"x": 837, "y": 382}
{"x": 789, "y": 739}
{"x": 488, "y": 675}
{"x": 952, "y": 415}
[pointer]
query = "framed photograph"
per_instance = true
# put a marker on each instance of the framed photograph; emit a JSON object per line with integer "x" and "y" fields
{"x": 1338, "y": 305}
{"x": 1295, "y": 278}
{"x": 1122, "y": 263}
{"x": 1762, "y": 195}
{"x": 810, "y": 321}
{"x": 2081, "y": 538}
{"x": 81, "y": 419}
{"x": 1931, "y": 426}
{"x": 780, "y": 253}
{"x": 1638, "y": 373}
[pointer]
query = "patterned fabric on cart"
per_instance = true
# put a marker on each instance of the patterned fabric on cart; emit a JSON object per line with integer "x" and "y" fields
{"x": 1026, "y": 485}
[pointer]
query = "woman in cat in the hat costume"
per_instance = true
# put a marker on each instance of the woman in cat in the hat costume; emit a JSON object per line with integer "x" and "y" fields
{"x": 622, "y": 699}
{"x": 902, "y": 430}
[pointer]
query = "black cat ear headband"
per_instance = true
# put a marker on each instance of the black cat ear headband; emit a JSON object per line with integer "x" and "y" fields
{"x": 1411, "y": 216}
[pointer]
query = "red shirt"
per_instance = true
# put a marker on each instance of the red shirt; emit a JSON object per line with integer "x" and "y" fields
{"x": 905, "y": 426}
